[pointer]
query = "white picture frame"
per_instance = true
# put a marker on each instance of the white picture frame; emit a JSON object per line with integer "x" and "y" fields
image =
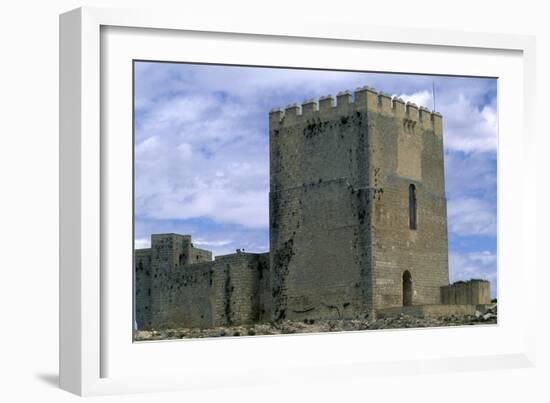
{"x": 91, "y": 348}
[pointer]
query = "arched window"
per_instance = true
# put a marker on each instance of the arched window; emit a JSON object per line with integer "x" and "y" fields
{"x": 412, "y": 206}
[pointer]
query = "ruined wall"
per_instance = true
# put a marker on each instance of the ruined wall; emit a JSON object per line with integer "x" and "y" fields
{"x": 474, "y": 292}
{"x": 229, "y": 290}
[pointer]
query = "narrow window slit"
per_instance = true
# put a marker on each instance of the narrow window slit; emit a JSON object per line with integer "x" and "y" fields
{"x": 412, "y": 206}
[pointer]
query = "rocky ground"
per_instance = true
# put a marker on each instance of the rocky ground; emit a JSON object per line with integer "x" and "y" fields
{"x": 489, "y": 316}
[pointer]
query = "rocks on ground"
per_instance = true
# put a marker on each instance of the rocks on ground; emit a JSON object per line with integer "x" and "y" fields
{"x": 487, "y": 316}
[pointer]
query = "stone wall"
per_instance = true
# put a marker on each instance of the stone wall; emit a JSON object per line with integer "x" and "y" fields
{"x": 170, "y": 292}
{"x": 243, "y": 288}
{"x": 318, "y": 219}
{"x": 475, "y": 292}
{"x": 196, "y": 255}
{"x": 142, "y": 287}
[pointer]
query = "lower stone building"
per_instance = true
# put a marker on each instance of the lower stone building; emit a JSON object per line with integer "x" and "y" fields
{"x": 178, "y": 285}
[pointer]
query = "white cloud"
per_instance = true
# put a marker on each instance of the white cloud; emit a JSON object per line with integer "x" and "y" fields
{"x": 203, "y": 242}
{"x": 199, "y": 156}
{"x": 471, "y": 216}
{"x": 468, "y": 128}
{"x": 142, "y": 243}
{"x": 421, "y": 98}
{"x": 224, "y": 204}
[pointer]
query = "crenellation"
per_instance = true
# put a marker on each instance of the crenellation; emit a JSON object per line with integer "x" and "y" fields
{"x": 398, "y": 107}
{"x": 309, "y": 107}
{"x": 361, "y": 94}
{"x": 372, "y": 103}
{"x": 437, "y": 119}
{"x": 362, "y": 99}
{"x": 326, "y": 103}
{"x": 385, "y": 103}
{"x": 412, "y": 111}
{"x": 343, "y": 98}
{"x": 276, "y": 115}
{"x": 292, "y": 113}
{"x": 425, "y": 116}
{"x": 344, "y": 102}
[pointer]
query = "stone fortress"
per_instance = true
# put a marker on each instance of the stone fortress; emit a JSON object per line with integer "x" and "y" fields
{"x": 358, "y": 227}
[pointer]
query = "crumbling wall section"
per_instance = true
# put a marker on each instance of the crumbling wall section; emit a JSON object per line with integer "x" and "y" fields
{"x": 473, "y": 292}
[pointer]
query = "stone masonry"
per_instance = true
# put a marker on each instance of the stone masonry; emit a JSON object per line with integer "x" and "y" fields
{"x": 358, "y": 223}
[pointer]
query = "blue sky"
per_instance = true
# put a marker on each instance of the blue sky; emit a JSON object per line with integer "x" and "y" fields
{"x": 202, "y": 162}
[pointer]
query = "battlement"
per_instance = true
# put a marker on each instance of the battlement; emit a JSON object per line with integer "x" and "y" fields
{"x": 364, "y": 99}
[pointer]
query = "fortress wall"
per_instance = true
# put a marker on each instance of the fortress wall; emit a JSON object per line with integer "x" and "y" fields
{"x": 142, "y": 287}
{"x": 474, "y": 292}
{"x": 243, "y": 288}
{"x": 230, "y": 290}
{"x": 184, "y": 297}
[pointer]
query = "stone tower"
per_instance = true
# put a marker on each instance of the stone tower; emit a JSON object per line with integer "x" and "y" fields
{"x": 357, "y": 206}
